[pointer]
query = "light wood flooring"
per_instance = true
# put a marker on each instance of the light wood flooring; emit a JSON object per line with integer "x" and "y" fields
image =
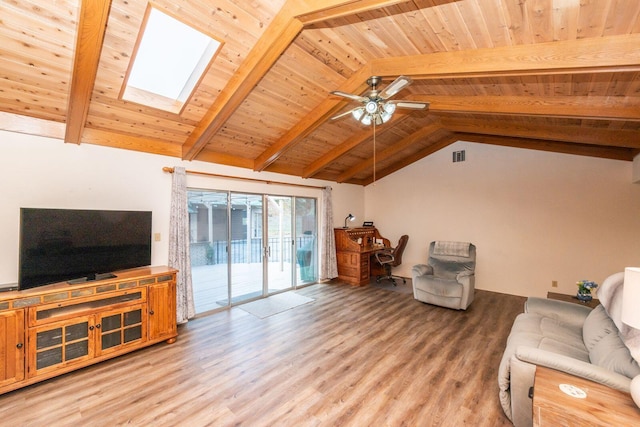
{"x": 353, "y": 357}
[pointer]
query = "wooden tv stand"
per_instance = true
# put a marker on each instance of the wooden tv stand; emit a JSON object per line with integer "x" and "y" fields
{"x": 54, "y": 329}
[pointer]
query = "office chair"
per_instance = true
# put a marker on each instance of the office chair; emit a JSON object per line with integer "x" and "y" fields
{"x": 391, "y": 257}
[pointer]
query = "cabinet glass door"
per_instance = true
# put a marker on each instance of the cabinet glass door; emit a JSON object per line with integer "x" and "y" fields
{"x": 60, "y": 343}
{"x": 119, "y": 328}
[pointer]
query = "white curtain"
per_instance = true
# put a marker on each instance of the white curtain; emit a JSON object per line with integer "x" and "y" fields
{"x": 179, "y": 257}
{"x": 328, "y": 261}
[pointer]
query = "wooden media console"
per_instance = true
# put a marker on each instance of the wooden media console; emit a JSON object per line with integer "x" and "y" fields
{"x": 54, "y": 329}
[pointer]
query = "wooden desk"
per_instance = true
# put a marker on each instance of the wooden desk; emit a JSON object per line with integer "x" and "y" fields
{"x": 354, "y": 259}
{"x": 602, "y": 406}
{"x": 572, "y": 298}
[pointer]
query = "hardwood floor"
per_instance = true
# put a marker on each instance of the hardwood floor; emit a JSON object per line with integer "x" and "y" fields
{"x": 353, "y": 357}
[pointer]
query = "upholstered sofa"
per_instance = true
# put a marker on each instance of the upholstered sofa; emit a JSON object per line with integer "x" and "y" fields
{"x": 571, "y": 338}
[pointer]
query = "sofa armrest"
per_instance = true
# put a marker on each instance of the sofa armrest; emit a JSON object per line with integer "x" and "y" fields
{"x": 421, "y": 270}
{"x": 573, "y": 366}
{"x": 566, "y": 312}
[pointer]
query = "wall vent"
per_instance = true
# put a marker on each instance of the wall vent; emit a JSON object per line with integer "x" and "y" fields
{"x": 458, "y": 156}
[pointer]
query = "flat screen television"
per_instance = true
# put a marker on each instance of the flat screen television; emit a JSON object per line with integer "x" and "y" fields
{"x": 58, "y": 245}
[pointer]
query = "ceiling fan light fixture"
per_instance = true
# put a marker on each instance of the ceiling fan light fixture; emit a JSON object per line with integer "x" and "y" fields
{"x": 366, "y": 120}
{"x": 389, "y": 108}
{"x": 371, "y": 107}
{"x": 357, "y": 113}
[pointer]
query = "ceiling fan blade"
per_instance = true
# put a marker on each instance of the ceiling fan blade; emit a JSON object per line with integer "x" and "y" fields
{"x": 416, "y": 105}
{"x": 395, "y": 86}
{"x": 346, "y": 113}
{"x": 349, "y": 95}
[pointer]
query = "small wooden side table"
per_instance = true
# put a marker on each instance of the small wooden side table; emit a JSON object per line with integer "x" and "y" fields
{"x": 602, "y": 405}
{"x": 572, "y": 298}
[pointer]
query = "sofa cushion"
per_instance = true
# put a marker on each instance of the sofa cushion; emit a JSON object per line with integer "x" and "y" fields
{"x": 533, "y": 330}
{"x": 445, "y": 269}
{"x": 606, "y": 348}
{"x": 611, "y": 353}
{"x": 596, "y": 326}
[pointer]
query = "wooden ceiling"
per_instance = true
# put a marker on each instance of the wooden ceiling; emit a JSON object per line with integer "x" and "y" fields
{"x": 555, "y": 75}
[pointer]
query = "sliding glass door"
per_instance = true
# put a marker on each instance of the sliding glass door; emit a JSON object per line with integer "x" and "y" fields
{"x": 306, "y": 242}
{"x": 209, "y": 246}
{"x": 280, "y": 242}
{"x": 246, "y": 250}
{"x": 247, "y": 246}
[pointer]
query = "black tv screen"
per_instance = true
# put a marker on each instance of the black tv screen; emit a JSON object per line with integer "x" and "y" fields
{"x": 59, "y": 245}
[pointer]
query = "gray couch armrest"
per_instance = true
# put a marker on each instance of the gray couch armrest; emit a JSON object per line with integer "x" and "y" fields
{"x": 421, "y": 270}
{"x": 572, "y": 366}
{"x": 566, "y": 312}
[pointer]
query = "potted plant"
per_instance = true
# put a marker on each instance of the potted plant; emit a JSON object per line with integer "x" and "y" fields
{"x": 584, "y": 289}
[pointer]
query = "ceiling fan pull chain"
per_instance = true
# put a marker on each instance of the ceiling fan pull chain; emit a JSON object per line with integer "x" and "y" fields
{"x": 374, "y": 152}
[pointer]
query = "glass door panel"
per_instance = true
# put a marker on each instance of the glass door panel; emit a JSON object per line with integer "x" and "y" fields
{"x": 247, "y": 249}
{"x": 279, "y": 243}
{"x": 209, "y": 240}
{"x": 306, "y": 226}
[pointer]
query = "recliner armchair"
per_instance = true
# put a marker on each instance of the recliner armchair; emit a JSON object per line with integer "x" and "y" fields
{"x": 448, "y": 280}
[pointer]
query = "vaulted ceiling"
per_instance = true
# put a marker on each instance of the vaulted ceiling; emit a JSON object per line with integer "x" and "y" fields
{"x": 555, "y": 75}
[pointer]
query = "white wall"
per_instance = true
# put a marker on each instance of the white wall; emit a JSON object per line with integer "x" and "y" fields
{"x": 534, "y": 216}
{"x": 47, "y": 173}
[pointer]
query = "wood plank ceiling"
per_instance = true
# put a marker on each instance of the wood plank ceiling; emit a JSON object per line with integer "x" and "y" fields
{"x": 556, "y": 75}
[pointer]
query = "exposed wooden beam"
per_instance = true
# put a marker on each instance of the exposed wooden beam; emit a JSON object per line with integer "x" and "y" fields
{"x": 280, "y": 34}
{"x": 339, "y": 150}
{"x": 390, "y": 151}
{"x": 31, "y": 125}
{"x": 347, "y": 145}
{"x": 577, "y": 107}
{"x": 574, "y": 134}
{"x": 225, "y": 159}
{"x": 92, "y": 24}
{"x": 441, "y": 143}
{"x": 615, "y": 153}
{"x": 277, "y": 37}
{"x": 592, "y": 55}
{"x": 574, "y": 56}
{"x": 129, "y": 142}
{"x": 320, "y": 114}
{"x": 324, "y": 10}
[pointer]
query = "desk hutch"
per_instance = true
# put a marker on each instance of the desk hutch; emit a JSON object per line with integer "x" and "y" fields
{"x": 354, "y": 249}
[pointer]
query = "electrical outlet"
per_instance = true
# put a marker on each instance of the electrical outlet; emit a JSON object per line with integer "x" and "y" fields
{"x": 554, "y": 283}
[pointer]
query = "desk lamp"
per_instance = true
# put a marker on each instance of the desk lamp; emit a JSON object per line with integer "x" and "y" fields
{"x": 348, "y": 218}
{"x": 631, "y": 314}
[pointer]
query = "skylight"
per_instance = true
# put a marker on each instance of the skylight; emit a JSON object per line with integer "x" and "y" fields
{"x": 170, "y": 60}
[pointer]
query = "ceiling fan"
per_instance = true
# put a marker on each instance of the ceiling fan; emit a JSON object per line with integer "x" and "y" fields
{"x": 377, "y": 107}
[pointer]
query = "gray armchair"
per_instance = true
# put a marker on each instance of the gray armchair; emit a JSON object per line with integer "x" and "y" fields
{"x": 448, "y": 280}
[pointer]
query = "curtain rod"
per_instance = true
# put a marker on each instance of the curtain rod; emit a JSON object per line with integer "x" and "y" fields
{"x": 264, "y": 181}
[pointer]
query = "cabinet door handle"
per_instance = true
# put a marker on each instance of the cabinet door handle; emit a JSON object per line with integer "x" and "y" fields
{"x": 98, "y": 326}
{"x": 19, "y": 345}
{"x": 151, "y": 312}
{"x": 91, "y": 328}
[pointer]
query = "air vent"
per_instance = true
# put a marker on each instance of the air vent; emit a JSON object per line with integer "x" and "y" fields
{"x": 458, "y": 156}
